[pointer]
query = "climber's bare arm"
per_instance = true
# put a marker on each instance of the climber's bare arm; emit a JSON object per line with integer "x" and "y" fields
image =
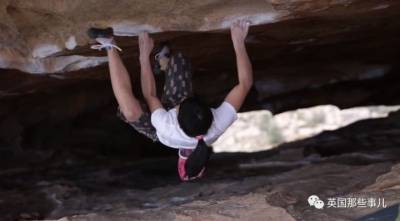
{"x": 121, "y": 84}
{"x": 238, "y": 94}
{"x": 146, "y": 45}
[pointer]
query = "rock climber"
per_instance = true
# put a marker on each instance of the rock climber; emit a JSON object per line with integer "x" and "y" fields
{"x": 179, "y": 119}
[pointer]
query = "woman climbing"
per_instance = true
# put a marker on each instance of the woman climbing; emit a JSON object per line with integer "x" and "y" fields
{"x": 179, "y": 120}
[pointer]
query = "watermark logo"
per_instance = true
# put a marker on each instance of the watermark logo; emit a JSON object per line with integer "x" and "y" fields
{"x": 314, "y": 201}
{"x": 346, "y": 202}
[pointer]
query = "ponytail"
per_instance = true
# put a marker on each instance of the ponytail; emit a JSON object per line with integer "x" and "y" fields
{"x": 198, "y": 159}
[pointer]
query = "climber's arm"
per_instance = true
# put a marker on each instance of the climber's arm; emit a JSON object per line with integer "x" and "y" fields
{"x": 238, "y": 94}
{"x": 146, "y": 45}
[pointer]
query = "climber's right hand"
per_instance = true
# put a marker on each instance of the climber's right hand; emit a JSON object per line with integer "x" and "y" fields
{"x": 239, "y": 30}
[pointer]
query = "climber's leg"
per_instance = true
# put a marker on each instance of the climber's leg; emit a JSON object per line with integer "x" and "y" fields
{"x": 178, "y": 81}
{"x": 130, "y": 110}
{"x": 140, "y": 121}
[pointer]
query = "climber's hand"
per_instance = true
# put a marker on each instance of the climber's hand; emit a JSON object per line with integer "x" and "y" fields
{"x": 146, "y": 45}
{"x": 239, "y": 30}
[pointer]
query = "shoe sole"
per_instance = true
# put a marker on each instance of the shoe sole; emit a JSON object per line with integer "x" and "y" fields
{"x": 160, "y": 47}
{"x": 100, "y": 32}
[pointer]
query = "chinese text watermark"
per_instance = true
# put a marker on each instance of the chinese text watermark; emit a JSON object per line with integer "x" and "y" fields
{"x": 346, "y": 202}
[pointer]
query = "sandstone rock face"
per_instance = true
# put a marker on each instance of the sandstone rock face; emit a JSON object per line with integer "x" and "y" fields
{"x": 304, "y": 53}
{"x": 303, "y": 46}
{"x": 389, "y": 181}
{"x": 35, "y": 33}
{"x": 63, "y": 153}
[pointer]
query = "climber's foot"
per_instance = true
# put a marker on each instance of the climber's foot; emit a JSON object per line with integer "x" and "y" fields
{"x": 104, "y": 37}
{"x": 161, "y": 58}
{"x": 94, "y": 33}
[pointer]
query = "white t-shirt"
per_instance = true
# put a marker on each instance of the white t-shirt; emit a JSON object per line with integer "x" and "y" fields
{"x": 170, "y": 134}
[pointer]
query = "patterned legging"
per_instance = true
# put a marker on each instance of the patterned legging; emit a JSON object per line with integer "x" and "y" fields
{"x": 177, "y": 87}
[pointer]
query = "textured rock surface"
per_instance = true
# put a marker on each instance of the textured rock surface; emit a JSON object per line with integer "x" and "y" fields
{"x": 272, "y": 185}
{"x": 329, "y": 42}
{"x": 305, "y": 53}
{"x": 34, "y": 31}
{"x": 63, "y": 152}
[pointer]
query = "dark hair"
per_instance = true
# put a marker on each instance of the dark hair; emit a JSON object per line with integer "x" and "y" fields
{"x": 195, "y": 118}
{"x": 198, "y": 159}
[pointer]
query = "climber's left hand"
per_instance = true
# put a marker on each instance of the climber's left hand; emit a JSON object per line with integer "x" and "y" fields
{"x": 146, "y": 45}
